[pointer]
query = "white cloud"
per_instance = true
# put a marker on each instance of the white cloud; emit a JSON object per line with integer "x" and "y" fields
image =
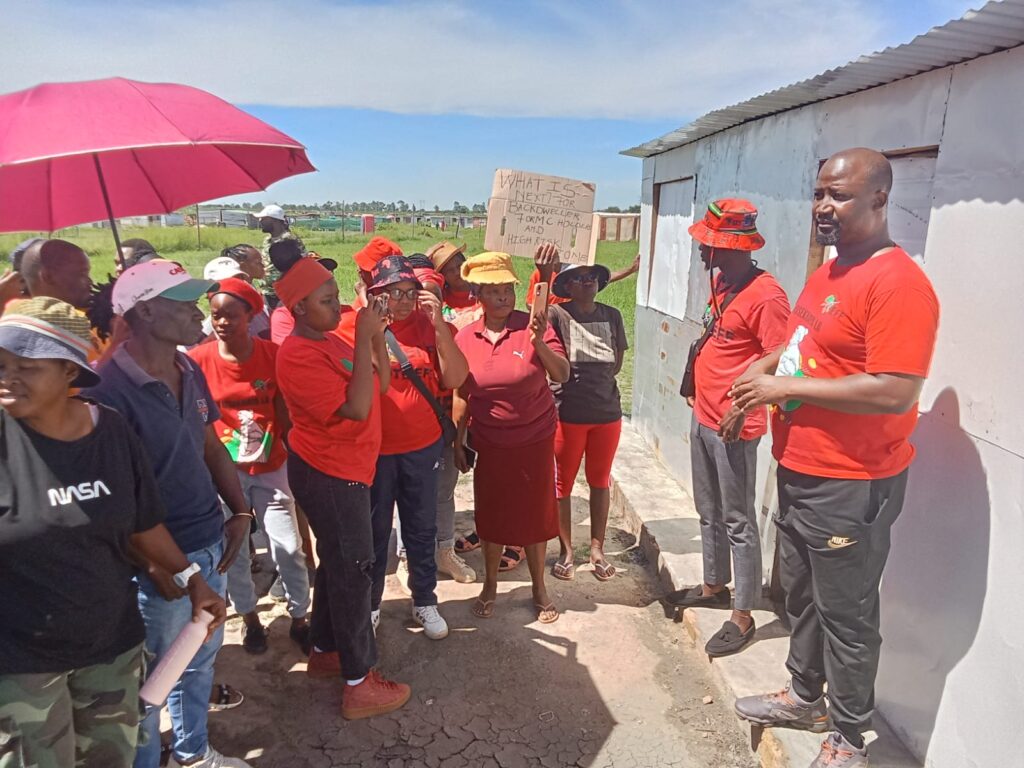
{"x": 612, "y": 60}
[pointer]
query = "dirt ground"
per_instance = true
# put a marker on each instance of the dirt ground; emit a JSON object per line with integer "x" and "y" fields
{"x": 611, "y": 683}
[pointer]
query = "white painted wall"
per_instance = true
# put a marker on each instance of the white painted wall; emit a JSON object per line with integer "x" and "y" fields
{"x": 951, "y": 680}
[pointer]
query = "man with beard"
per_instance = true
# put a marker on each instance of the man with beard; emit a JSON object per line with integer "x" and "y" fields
{"x": 845, "y": 393}
{"x": 274, "y": 224}
{"x": 745, "y": 320}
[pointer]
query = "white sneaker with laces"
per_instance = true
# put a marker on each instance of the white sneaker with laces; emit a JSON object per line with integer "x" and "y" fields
{"x": 375, "y": 620}
{"x": 212, "y": 759}
{"x": 449, "y": 562}
{"x": 434, "y": 625}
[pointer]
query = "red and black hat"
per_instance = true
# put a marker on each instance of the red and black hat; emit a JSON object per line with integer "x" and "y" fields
{"x": 729, "y": 223}
{"x": 393, "y": 269}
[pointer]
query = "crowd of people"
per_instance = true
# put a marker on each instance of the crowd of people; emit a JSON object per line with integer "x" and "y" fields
{"x": 142, "y": 445}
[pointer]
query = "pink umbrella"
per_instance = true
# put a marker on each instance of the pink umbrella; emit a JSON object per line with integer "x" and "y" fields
{"x": 72, "y": 153}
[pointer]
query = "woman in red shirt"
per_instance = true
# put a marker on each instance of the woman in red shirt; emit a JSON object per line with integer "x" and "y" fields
{"x": 333, "y": 398}
{"x": 511, "y": 421}
{"x": 412, "y": 442}
{"x": 240, "y": 371}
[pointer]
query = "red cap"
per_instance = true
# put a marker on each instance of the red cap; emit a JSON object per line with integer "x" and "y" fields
{"x": 375, "y": 250}
{"x": 240, "y": 289}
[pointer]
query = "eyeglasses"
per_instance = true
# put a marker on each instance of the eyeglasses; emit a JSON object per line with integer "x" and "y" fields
{"x": 583, "y": 279}
{"x": 398, "y": 294}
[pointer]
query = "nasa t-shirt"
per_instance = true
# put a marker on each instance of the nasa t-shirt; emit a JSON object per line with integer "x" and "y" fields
{"x": 66, "y": 512}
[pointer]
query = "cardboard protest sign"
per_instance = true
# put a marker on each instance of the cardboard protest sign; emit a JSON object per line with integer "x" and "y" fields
{"x": 528, "y": 209}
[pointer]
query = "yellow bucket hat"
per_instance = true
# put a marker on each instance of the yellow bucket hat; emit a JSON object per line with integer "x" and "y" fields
{"x": 489, "y": 268}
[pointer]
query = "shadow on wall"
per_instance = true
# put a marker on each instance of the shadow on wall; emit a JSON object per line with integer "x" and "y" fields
{"x": 936, "y": 578}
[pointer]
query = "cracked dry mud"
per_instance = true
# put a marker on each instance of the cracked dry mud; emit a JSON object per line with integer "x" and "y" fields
{"x": 611, "y": 683}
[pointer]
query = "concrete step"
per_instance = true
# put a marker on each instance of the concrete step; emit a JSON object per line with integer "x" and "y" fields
{"x": 662, "y": 517}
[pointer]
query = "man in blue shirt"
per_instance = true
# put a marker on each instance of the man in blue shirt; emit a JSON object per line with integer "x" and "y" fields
{"x": 164, "y": 397}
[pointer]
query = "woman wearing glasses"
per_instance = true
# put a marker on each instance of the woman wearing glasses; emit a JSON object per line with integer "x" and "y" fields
{"x": 424, "y": 362}
{"x": 589, "y": 410}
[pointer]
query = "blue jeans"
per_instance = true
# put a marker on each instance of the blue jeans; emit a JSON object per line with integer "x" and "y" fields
{"x": 190, "y": 697}
{"x": 410, "y": 479}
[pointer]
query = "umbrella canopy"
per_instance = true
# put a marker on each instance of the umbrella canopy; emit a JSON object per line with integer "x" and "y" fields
{"x": 150, "y": 147}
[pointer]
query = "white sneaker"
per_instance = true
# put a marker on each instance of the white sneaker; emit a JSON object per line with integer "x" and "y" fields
{"x": 375, "y": 620}
{"x": 449, "y": 562}
{"x": 402, "y": 574}
{"x": 434, "y": 625}
{"x": 212, "y": 759}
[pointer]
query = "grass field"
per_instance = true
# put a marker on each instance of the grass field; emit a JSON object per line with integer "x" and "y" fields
{"x": 179, "y": 244}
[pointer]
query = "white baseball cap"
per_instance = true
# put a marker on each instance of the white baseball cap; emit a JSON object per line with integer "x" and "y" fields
{"x": 222, "y": 268}
{"x": 272, "y": 212}
{"x": 156, "y": 278}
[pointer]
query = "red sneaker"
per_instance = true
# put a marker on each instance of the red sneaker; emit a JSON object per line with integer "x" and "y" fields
{"x": 323, "y": 664}
{"x": 374, "y": 696}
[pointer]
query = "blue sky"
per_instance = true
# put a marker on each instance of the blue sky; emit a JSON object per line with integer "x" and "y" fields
{"x": 422, "y": 101}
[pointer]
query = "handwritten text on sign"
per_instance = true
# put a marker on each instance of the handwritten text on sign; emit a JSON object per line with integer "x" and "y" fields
{"x": 527, "y": 209}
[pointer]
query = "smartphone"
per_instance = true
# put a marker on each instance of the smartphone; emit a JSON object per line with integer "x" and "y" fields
{"x": 540, "y": 300}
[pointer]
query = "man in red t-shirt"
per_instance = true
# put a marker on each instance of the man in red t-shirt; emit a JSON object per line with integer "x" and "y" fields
{"x": 845, "y": 393}
{"x": 745, "y": 319}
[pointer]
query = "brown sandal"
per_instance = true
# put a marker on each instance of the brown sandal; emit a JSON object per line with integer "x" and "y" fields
{"x": 483, "y": 609}
{"x": 604, "y": 571}
{"x": 546, "y": 614}
{"x": 511, "y": 559}
{"x": 564, "y": 571}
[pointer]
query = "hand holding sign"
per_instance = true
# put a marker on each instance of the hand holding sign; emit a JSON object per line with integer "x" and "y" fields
{"x": 527, "y": 210}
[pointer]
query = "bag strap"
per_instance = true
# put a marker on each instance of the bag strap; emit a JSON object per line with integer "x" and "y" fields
{"x": 413, "y": 376}
{"x": 736, "y": 289}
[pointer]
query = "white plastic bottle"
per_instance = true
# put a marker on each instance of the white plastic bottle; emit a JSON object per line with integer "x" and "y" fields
{"x": 161, "y": 680}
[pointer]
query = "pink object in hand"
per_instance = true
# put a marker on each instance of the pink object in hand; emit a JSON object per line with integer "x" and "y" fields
{"x": 161, "y": 680}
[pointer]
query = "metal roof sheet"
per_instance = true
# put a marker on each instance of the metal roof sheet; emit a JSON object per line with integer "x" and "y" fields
{"x": 998, "y": 25}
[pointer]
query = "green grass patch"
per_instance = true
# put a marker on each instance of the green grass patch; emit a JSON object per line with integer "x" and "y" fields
{"x": 179, "y": 244}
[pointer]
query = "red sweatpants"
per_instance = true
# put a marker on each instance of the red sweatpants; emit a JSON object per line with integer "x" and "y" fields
{"x": 572, "y": 441}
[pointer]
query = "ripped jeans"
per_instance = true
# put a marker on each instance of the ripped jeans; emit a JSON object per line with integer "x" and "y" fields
{"x": 339, "y": 514}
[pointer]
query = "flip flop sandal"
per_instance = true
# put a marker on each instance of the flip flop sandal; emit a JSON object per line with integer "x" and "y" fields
{"x": 225, "y": 697}
{"x": 564, "y": 571}
{"x": 483, "y": 609}
{"x": 511, "y": 559}
{"x": 546, "y": 614}
{"x": 604, "y": 571}
{"x": 467, "y": 543}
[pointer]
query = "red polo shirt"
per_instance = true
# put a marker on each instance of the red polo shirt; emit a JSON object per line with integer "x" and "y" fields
{"x": 880, "y": 316}
{"x": 510, "y": 402}
{"x": 313, "y": 377}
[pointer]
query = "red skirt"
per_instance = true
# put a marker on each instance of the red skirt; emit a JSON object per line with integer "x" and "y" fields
{"x": 514, "y": 492}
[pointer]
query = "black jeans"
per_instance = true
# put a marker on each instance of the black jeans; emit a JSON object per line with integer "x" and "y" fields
{"x": 833, "y": 544}
{"x": 339, "y": 514}
{"x": 410, "y": 479}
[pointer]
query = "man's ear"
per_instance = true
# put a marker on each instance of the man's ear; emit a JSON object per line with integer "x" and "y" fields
{"x": 881, "y": 199}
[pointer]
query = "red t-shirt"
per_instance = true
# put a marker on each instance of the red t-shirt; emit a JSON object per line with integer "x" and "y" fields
{"x": 282, "y": 323}
{"x": 408, "y": 422}
{"x": 313, "y": 377}
{"x": 509, "y": 399}
{"x": 552, "y": 299}
{"x": 880, "y": 316}
{"x": 245, "y": 394}
{"x": 753, "y": 325}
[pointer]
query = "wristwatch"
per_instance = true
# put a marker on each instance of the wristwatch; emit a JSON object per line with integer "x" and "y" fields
{"x": 181, "y": 578}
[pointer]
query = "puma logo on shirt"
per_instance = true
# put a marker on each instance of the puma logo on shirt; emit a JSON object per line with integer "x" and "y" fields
{"x": 60, "y": 497}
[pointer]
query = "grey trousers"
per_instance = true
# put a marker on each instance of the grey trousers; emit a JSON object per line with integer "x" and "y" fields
{"x": 833, "y": 544}
{"x": 724, "y": 476}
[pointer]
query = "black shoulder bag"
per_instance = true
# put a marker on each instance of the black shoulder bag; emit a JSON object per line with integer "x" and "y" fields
{"x": 688, "y": 386}
{"x": 448, "y": 428}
